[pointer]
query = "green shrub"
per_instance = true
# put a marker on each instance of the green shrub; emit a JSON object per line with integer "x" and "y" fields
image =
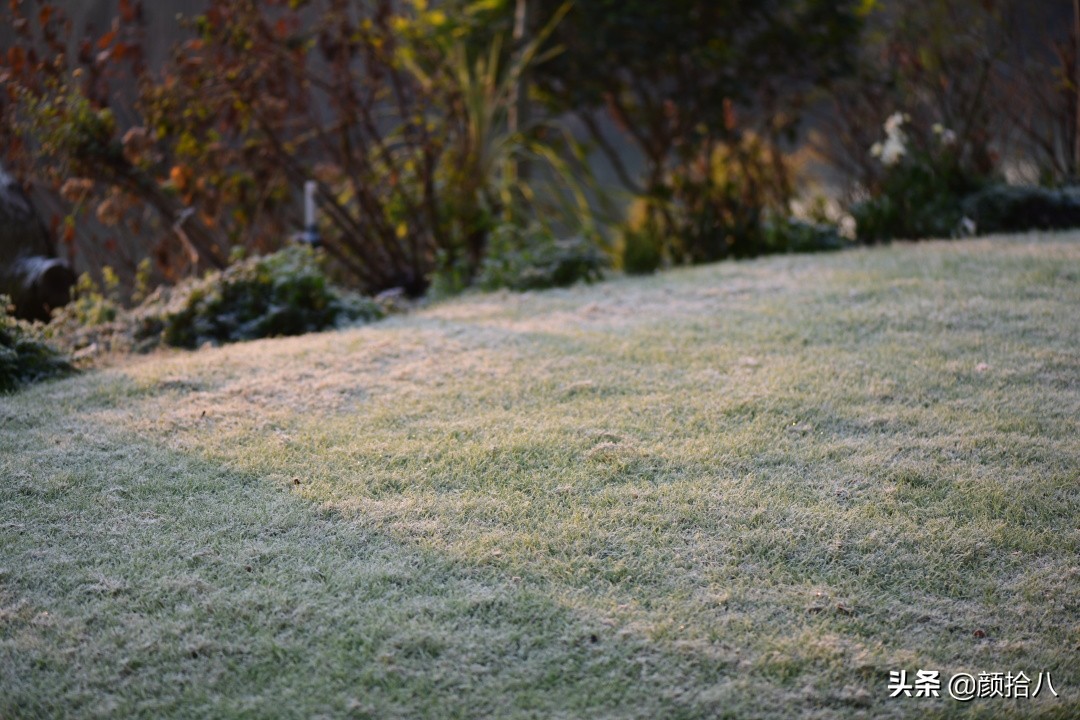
{"x": 643, "y": 241}
{"x": 25, "y": 357}
{"x": 1005, "y": 208}
{"x": 286, "y": 293}
{"x": 450, "y": 277}
{"x": 917, "y": 201}
{"x": 718, "y": 203}
{"x": 533, "y": 259}
{"x": 642, "y": 252}
{"x": 95, "y": 318}
{"x": 791, "y": 235}
{"x": 94, "y": 304}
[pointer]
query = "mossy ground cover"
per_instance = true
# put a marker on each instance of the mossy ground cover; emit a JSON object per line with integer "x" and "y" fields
{"x": 743, "y": 490}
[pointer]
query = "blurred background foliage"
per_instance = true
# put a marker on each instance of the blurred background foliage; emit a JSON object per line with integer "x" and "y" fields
{"x": 529, "y": 143}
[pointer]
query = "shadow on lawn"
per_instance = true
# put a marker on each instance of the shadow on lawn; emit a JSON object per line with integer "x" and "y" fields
{"x": 143, "y": 581}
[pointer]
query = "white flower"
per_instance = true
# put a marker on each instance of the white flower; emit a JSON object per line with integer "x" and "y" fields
{"x": 847, "y": 227}
{"x": 893, "y": 150}
{"x": 893, "y": 124}
{"x": 895, "y": 145}
{"x": 944, "y": 134}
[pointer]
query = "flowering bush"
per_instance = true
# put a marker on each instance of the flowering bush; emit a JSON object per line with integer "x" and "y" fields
{"x": 936, "y": 60}
{"x": 923, "y": 187}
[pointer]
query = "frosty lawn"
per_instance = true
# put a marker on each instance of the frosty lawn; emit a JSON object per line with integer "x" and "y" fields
{"x": 746, "y": 490}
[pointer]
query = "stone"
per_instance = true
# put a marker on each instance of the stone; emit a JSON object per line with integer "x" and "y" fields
{"x": 30, "y": 273}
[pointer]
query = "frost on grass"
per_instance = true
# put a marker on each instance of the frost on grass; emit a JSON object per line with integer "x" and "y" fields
{"x": 758, "y": 486}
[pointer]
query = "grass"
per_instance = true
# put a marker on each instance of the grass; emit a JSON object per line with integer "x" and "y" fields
{"x": 745, "y": 490}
